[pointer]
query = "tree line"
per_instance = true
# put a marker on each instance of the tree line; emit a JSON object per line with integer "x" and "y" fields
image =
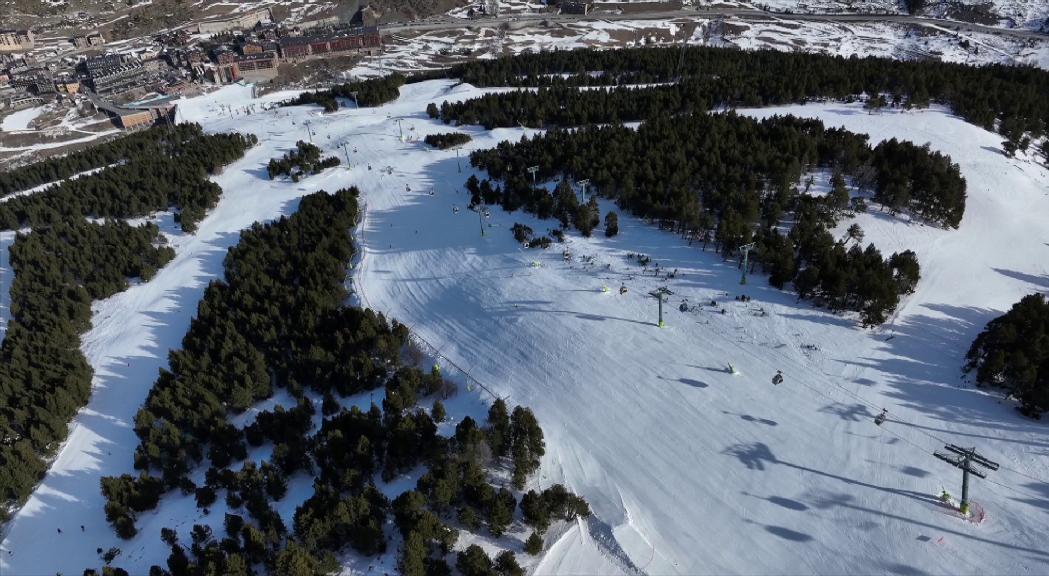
{"x": 1004, "y": 98}
{"x": 279, "y": 319}
{"x": 728, "y": 180}
{"x": 173, "y": 174}
{"x": 276, "y": 320}
{"x": 44, "y": 378}
{"x": 1012, "y": 353}
{"x": 305, "y": 159}
{"x": 367, "y": 93}
{"x": 447, "y": 139}
{"x": 65, "y": 263}
{"x": 135, "y": 145}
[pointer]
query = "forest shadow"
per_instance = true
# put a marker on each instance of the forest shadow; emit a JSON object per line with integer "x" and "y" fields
{"x": 578, "y": 314}
{"x": 1042, "y": 500}
{"x": 490, "y": 272}
{"x": 822, "y": 317}
{"x": 926, "y": 355}
{"x": 699, "y": 270}
{"x": 69, "y": 496}
{"x": 38, "y": 533}
{"x": 846, "y": 111}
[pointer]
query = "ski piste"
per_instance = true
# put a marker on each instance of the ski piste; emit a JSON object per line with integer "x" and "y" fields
{"x": 646, "y": 424}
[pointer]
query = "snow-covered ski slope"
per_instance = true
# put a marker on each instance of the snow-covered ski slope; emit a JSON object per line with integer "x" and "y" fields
{"x": 698, "y": 471}
{"x": 689, "y": 470}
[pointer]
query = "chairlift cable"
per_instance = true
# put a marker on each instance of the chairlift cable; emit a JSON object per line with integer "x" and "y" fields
{"x": 922, "y": 448}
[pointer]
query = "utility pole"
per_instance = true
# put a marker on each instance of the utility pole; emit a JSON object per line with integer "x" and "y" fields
{"x": 309, "y": 131}
{"x": 480, "y": 216}
{"x": 347, "y": 153}
{"x": 533, "y": 170}
{"x": 659, "y": 294}
{"x": 582, "y": 189}
{"x": 745, "y": 250}
{"x": 399, "y": 131}
{"x": 964, "y": 459}
{"x": 457, "y": 161}
{"x": 355, "y": 104}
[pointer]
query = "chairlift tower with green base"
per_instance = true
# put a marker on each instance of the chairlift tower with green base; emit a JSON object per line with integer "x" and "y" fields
{"x": 660, "y": 295}
{"x": 964, "y": 459}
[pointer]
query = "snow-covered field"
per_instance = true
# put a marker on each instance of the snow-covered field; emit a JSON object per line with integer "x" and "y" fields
{"x": 20, "y": 120}
{"x": 1019, "y": 13}
{"x": 689, "y": 469}
{"x": 410, "y": 53}
{"x": 887, "y": 41}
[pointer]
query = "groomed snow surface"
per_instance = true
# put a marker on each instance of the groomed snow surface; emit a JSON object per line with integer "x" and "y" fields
{"x": 688, "y": 469}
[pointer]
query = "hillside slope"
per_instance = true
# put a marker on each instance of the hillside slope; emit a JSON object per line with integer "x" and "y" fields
{"x": 699, "y": 471}
{"x": 688, "y": 469}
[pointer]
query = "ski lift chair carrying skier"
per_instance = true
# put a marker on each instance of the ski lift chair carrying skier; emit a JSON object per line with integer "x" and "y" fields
{"x": 778, "y": 378}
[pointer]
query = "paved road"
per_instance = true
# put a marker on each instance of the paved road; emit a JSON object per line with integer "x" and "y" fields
{"x": 446, "y": 23}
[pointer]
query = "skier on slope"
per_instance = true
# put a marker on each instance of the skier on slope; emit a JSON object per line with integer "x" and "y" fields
{"x": 881, "y": 417}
